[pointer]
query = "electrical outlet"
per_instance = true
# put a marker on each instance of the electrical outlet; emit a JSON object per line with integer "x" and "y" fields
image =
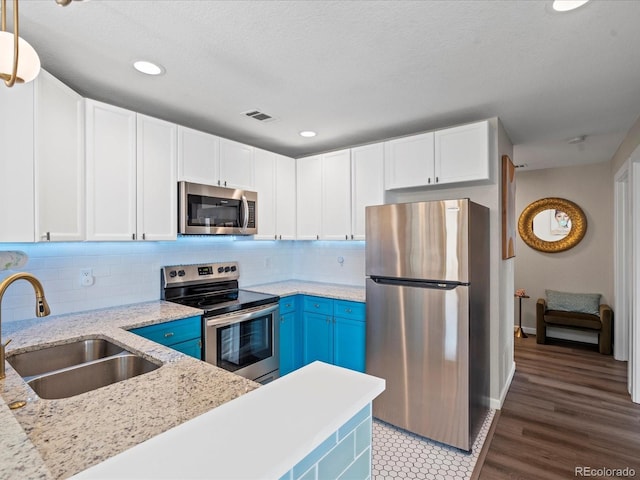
{"x": 86, "y": 277}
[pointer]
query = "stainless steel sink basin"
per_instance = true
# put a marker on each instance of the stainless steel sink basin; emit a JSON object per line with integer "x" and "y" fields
{"x": 66, "y": 370}
{"x": 84, "y": 378}
{"x": 48, "y": 359}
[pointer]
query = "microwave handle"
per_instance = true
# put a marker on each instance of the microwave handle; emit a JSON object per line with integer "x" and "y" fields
{"x": 245, "y": 214}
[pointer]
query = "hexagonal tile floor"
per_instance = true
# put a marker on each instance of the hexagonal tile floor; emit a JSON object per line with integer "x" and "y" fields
{"x": 400, "y": 454}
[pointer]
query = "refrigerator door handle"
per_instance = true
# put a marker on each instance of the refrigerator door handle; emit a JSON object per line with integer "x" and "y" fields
{"x": 418, "y": 283}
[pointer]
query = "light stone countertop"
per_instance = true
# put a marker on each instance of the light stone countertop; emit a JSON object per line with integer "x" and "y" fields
{"x": 294, "y": 287}
{"x": 58, "y": 438}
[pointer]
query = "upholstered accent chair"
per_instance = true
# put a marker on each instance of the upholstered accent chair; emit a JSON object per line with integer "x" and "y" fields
{"x": 581, "y": 311}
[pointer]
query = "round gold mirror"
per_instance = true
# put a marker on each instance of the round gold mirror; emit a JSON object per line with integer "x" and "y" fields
{"x": 552, "y": 225}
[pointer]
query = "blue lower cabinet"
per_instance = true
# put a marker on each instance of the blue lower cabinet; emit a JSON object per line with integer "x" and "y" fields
{"x": 337, "y": 335}
{"x": 349, "y": 344}
{"x": 184, "y": 335}
{"x": 290, "y": 335}
{"x": 318, "y": 338}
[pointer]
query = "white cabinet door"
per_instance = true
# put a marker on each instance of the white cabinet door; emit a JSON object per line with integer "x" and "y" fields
{"x": 336, "y": 196}
{"x": 265, "y": 186}
{"x": 198, "y": 156}
{"x": 309, "y": 197}
{"x": 17, "y": 208}
{"x": 156, "y": 179}
{"x": 111, "y": 172}
{"x": 285, "y": 197}
{"x": 408, "y": 161}
{"x": 276, "y": 186}
{"x": 462, "y": 153}
{"x": 236, "y": 165}
{"x": 59, "y": 161}
{"x": 367, "y": 184}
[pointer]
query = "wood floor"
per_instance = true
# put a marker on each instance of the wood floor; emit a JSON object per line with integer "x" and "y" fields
{"x": 567, "y": 407}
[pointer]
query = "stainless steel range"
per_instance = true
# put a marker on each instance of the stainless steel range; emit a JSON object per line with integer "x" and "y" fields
{"x": 240, "y": 327}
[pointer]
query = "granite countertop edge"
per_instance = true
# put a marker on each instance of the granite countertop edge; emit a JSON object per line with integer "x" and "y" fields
{"x": 28, "y": 450}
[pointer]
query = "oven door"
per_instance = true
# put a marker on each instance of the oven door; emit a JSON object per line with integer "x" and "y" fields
{"x": 245, "y": 342}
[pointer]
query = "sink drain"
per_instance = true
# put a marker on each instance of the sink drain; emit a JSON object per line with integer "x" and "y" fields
{"x": 17, "y": 404}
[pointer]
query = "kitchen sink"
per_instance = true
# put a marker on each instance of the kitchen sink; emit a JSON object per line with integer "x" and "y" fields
{"x": 48, "y": 359}
{"x": 84, "y": 378}
{"x": 66, "y": 370}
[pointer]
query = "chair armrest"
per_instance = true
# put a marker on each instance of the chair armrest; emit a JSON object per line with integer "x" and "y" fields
{"x": 606, "y": 314}
{"x": 541, "y": 307}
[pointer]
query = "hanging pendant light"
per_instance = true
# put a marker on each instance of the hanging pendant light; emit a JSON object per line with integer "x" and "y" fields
{"x": 19, "y": 62}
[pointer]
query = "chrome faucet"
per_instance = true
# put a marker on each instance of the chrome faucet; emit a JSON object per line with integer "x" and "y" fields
{"x": 42, "y": 308}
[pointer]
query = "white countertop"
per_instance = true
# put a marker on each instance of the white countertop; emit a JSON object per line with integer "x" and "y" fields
{"x": 279, "y": 424}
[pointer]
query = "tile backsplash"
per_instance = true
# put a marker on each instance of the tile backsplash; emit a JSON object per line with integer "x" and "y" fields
{"x": 129, "y": 272}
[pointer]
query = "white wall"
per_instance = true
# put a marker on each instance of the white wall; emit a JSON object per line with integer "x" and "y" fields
{"x": 129, "y": 272}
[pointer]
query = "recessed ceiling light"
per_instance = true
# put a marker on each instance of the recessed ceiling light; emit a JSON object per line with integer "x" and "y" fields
{"x": 308, "y": 133}
{"x": 567, "y": 5}
{"x": 148, "y": 68}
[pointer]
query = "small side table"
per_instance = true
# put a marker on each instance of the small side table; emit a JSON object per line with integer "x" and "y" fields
{"x": 519, "y": 332}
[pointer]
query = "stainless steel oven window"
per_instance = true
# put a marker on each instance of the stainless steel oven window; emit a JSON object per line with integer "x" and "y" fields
{"x": 245, "y": 342}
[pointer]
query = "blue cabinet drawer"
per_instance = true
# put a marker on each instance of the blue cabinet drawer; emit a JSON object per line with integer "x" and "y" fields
{"x": 347, "y": 309}
{"x": 318, "y": 305}
{"x": 170, "y": 333}
{"x": 288, "y": 304}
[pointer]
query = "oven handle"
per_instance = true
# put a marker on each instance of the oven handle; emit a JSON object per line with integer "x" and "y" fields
{"x": 245, "y": 212}
{"x": 225, "y": 320}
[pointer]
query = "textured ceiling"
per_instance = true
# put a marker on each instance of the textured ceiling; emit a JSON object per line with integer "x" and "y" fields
{"x": 357, "y": 71}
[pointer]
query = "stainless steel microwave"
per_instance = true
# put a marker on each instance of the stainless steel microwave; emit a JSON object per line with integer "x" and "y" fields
{"x": 210, "y": 210}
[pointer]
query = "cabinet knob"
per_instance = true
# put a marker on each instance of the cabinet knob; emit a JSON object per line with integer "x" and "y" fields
{"x": 287, "y": 305}
{"x": 275, "y": 237}
{"x": 352, "y": 236}
{"x": 225, "y": 183}
{"x": 316, "y": 305}
{"x": 346, "y": 237}
{"x": 218, "y": 182}
{"x": 348, "y": 310}
{"x": 168, "y": 335}
{"x": 437, "y": 179}
{"x": 280, "y": 237}
{"x": 133, "y": 236}
{"x": 48, "y": 236}
{"x": 429, "y": 180}
{"x": 144, "y": 236}
{"x": 317, "y": 237}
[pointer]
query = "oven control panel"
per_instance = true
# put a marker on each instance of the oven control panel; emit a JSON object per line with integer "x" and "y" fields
{"x": 207, "y": 272}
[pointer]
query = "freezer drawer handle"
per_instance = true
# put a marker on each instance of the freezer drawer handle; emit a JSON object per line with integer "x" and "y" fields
{"x": 418, "y": 283}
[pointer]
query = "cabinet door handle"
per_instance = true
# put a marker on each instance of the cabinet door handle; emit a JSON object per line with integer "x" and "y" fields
{"x": 348, "y": 310}
{"x": 346, "y": 237}
{"x": 168, "y": 335}
{"x": 133, "y": 236}
{"x": 316, "y": 305}
{"x": 280, "y": 237}
{"x": 287, "y": 305}
{"x": 144, "y": 236}
{"x": 429, "y": 180}
{"x": 275, "y": 237}
{"x": 437, "y": 179}
{"x": 218, "y": 182}
{"x": 317, "y": 237}
{"x": 48, "y": 236}
{"x": 352, "y": 236}
{"x": 225, "y": 183}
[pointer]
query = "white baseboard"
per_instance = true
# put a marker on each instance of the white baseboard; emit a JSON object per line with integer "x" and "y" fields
{"x": 496, "y": 403}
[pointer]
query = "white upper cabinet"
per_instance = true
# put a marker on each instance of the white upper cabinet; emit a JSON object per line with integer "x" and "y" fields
{"x": 42, "y": 162}
{"x": 156, "y": 179}
{"x": 285, "y": 198}
{"x": 211, "y": 160}
{"x": 408, "y": 161}
{"x": 198, "y": 156}
{"x": 309, "y": 197}
{"x": 111, "y": 172}
{"x": 131, "y": 175}
{"x": 59, "y": 161}
{"x": 336, "y": 196}
{"x": 17, "y": 207}
{"x": 462, "y": 153}
{"x": 275, "y": 182}
{"x": 367, "y": 184}
{"x": 236, "y": 165}
{"x": 324, "y": 197}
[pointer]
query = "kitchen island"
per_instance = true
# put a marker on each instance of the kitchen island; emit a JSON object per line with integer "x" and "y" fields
{"x": 60, "y": 438}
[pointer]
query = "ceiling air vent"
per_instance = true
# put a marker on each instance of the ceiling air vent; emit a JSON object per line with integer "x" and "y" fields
{"x": 258, "y": 115}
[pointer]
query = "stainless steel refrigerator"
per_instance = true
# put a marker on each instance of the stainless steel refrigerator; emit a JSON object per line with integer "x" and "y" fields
{"x": 427, "y": 265}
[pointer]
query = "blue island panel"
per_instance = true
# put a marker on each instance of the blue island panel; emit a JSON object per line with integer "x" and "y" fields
{"x": 345, "y": 454}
